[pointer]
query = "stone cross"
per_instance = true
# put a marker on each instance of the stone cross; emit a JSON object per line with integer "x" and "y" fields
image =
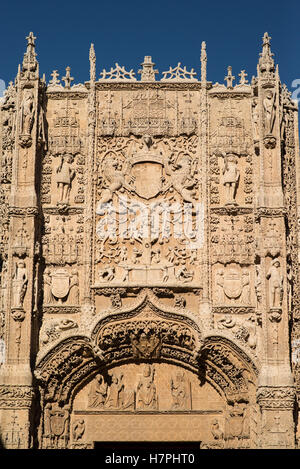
{"x": 30, "y": 42}
{"x": 229, "y": 78}
{"x": 54, "y": 80}
{"x": 243, "y": 76}
{"x": 67, "y": 79}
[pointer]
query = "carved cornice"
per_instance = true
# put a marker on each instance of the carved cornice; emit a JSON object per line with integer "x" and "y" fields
{"x": 23, "y": 211}
{"x": 67, "y": 309}
{"x": 231, "y": 210}
{"x": 269, "y": 212}
{"x": 233, "y": 310}
{"x": 271, "y": 397}
{"x": 16, "y": 396}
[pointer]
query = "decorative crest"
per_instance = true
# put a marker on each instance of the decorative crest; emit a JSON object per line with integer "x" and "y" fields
{"x": 118, "y": 73}
{"x": 147, "y": 72}
{"x": 179, "y": 74}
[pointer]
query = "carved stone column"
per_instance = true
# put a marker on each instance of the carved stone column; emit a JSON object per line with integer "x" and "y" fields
{"x": 15, "y": 374}
{"x": 277, "y": 425}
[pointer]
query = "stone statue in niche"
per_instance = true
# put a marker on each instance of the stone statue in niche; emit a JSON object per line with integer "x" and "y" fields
{"x": 74, "y": 288}
{"x": 19, "y": 282}
{"x": 64, "y": 178}
{"x": 245, "y": 299}
{"x": 146, "y": 398}
{"x": 48, "y": 297}
{"x": 180, "y": 390}
{"x": 220, "y": 296}
{"x": 275, "y": 278}
{"x": 255, "y": 119}
{"x": 27, "y": 110}
{"x": 231, "y": 176}
{"x": 269, "y": 111}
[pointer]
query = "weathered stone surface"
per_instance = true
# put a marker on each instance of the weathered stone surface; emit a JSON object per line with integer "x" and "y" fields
{"x": 149, "y": 258}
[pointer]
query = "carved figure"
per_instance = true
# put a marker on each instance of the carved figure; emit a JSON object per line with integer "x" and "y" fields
{"x": 27, "y": 109}
{"x": 74, "y": 288}
{"x": 146, "y": 398}
{"x": 64, "y": 178}
{"x": 48, "y": 297}
{"x": 183, "y": 174}
{"x": 183, "y": 275}
{"x": 78, "y": 429}
{"x": 180, "y": 392}
{"x": 113, "y": 393}
{"x": 269, "y": 109}
{"x": 107, "y": 274}
{"x": 231, "y": 176}
{"x": 98, "y": 394}
{"x": 19, "y": 282}
{"x": 275, "y": 278}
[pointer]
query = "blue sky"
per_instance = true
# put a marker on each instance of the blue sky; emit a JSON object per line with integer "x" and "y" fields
{"x": 169, "y": 31}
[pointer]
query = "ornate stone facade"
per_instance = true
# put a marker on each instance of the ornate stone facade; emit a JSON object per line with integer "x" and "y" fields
{"x": 149, "y": 258}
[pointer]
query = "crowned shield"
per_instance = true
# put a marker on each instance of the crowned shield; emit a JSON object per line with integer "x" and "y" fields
{"x": 147, "y": 179}
{"x": 233, "y": 284}
{"x": 60, "y": 283}
{"x": 58, "y": 419}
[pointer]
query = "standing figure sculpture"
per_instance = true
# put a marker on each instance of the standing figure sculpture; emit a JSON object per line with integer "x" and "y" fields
{"x": 65, "y": 176}
{"x": 276, "y": 284}
{"x": 231, "y": 176}
{"x": 27, "y": 108}
{"x": 20, "y": 280}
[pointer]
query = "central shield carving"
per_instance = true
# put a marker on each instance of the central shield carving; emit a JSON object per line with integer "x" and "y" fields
{"x": 233, "y": 283}
{"x": 147, "y": 179}
{"x": 60, "y": 283}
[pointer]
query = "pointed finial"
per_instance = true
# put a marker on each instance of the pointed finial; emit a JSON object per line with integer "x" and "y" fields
{"x": 203, "y": 61}
{"x": 30, "y": 41}
{"x": 266, "y": 62}
{"x": 67, "y": 79}
{"x": 92, "y": 57}
{"x": 30, "y": 65}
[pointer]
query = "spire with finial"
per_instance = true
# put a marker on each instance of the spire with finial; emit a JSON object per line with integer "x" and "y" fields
{"x": 203, "y": 60}
{"x": 266, "y": 63}
{"x": 92, "y": 58}
{"x": 29, "y": 65}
